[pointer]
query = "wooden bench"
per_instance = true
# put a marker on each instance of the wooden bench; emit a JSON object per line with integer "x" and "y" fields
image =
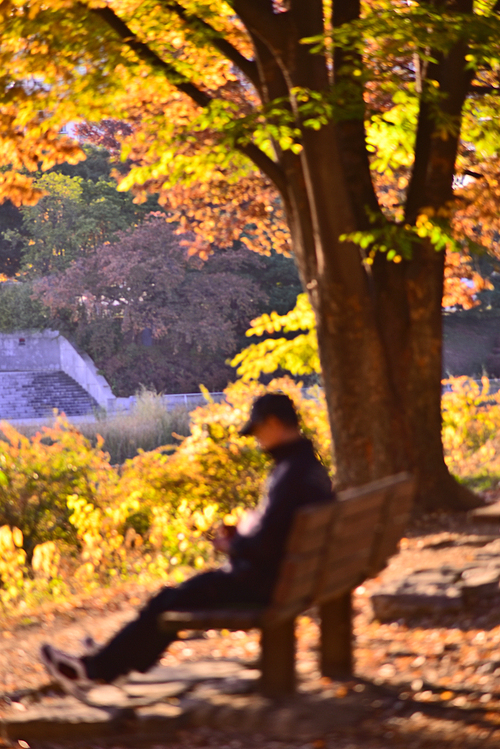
{"x": 331, "y": 549}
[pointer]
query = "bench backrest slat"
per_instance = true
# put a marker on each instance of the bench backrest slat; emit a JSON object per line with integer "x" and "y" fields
{"x": 305, "y": 548}
{"x": 333, "y": 547}
{"x": 350, "y": 542}
{"x": 365, "y": 533}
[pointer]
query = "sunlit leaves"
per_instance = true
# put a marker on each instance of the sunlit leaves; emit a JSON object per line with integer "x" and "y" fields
{"x": 416, "y": 28}
{"x": 471, "y": 418}
{"x": 391, "y": 135}
{"x": 61, "y": 60}
{"x": 297, "y": 355}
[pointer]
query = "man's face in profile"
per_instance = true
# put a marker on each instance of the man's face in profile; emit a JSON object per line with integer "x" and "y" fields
{"x": 271, "y": 432}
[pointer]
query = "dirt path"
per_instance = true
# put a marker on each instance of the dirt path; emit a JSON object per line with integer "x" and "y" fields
{"x": 438, "y": 677}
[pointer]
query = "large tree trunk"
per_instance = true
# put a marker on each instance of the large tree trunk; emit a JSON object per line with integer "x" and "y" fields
{"x": 379, "y": 337}
{"x": 383, "y": 386}
{"x": 408, "y": 303}
{"x": 379, "y": 331}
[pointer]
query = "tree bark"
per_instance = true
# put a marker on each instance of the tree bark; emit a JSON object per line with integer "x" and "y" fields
{"x": 408, "y": 303}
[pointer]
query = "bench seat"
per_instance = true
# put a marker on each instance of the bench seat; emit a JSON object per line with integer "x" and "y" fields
{"x": 233, "y": 619}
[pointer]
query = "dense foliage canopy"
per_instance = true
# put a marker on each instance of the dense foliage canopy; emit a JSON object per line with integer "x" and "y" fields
{"x": 178, "y": 87}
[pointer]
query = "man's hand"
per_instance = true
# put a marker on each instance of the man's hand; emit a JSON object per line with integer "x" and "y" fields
{"x": 222, "y": 539}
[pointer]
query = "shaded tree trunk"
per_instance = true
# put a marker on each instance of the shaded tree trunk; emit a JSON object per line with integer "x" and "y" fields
{"x": 379, "y": 330}
{"x": 381, "y": 370}
{"x": 408, "y": 303}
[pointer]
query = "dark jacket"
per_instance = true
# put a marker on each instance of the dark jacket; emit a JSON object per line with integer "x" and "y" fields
{"x": 297, "y": 479}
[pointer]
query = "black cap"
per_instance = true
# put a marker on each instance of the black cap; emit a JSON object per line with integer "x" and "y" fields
{"x": 271, "y": 404}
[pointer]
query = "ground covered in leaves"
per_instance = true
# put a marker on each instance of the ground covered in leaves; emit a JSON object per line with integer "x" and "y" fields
{"x": 433, "y": 681}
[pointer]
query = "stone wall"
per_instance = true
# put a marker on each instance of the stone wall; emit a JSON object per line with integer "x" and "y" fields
{"x": 29, "y": 351}
{"x": 48, "y": 351}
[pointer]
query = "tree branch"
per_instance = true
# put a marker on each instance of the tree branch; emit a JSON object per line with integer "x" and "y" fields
{"x": 483, "y": 89}
{"x": 267, "y": 165}
{"x": 351, "y": 132}
{"x": 144, "y": 52}
{"x": 434, "y": 164}
{"x": 247, "y": 67}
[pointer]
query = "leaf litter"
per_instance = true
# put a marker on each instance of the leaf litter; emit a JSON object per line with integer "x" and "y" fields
{"x": 433, "y": 681}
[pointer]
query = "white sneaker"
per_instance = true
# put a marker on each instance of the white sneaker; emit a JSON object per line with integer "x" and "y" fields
{"x": 68, "y": 670}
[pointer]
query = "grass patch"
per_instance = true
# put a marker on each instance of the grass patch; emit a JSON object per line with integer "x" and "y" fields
{"x": 147, "y": 426}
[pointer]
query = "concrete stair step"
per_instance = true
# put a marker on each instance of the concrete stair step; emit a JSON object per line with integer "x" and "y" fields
{"x": 27, "y": 395}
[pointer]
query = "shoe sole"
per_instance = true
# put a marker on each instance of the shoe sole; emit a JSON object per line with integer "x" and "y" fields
{"x": 68, "y": 686}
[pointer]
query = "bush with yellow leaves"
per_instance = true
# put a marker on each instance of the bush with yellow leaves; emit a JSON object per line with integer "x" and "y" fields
{"x": 12, "y": 564}
{"x": 37, "y": 476}
{"x": 72, "y": 521}
{"x": 213, "y": 474}
{"x": 69, "y": 520}
{"x": 471, "y": 431}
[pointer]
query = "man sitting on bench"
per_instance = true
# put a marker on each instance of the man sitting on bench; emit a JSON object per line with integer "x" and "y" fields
{"x": 255, "y": 550}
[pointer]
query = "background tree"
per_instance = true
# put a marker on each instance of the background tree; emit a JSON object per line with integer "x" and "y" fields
{"x": 19, "y": 310}
{"x": 308, "y": 93}
{"x": 152, "y": 314}
{"x": 72, "y": 218}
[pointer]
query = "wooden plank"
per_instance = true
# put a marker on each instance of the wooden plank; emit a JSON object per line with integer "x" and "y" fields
{"x": 278, "y": 659}
{"x": 297, "y": 580}
{"x": 334, "y": 564}
{"x": 300, "y": 591}
{"x": 365, "y": 527}
{"x": 310, "y": 526}
{"x": 305, "y": 549}
{"x": 350, "y": 566}
{"x": 356, "y": 516}
{"x": 350, "y": 576}
{"x": 342, "y": 550}
{"x": 354, "y": 505}
{"x": 216, "y": 619}
{"x": 336, "y": 647}
{"x": 360, "y": 537}
{"x": 348, "y": 547}
{"x": 288, "y": 586}
{"x": 372, "y": 487}
{"x": 311, "y": 542}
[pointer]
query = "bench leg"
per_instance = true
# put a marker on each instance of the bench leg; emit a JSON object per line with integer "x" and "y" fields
{"x": 336, "y": 637}
{"x": 278, "y": 659}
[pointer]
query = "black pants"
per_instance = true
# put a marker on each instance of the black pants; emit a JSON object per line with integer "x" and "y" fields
{"x": 140, "y": 643}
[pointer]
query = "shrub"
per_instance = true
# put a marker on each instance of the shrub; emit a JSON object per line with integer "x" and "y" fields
{"x": 69, "y": 520}
{"x": 82, "y": 522}
{"x": 214, "y": 472}
{"x": 147, "y": 426}
{"x": 471, "y": 429}
{"x": 38, "y": 476}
